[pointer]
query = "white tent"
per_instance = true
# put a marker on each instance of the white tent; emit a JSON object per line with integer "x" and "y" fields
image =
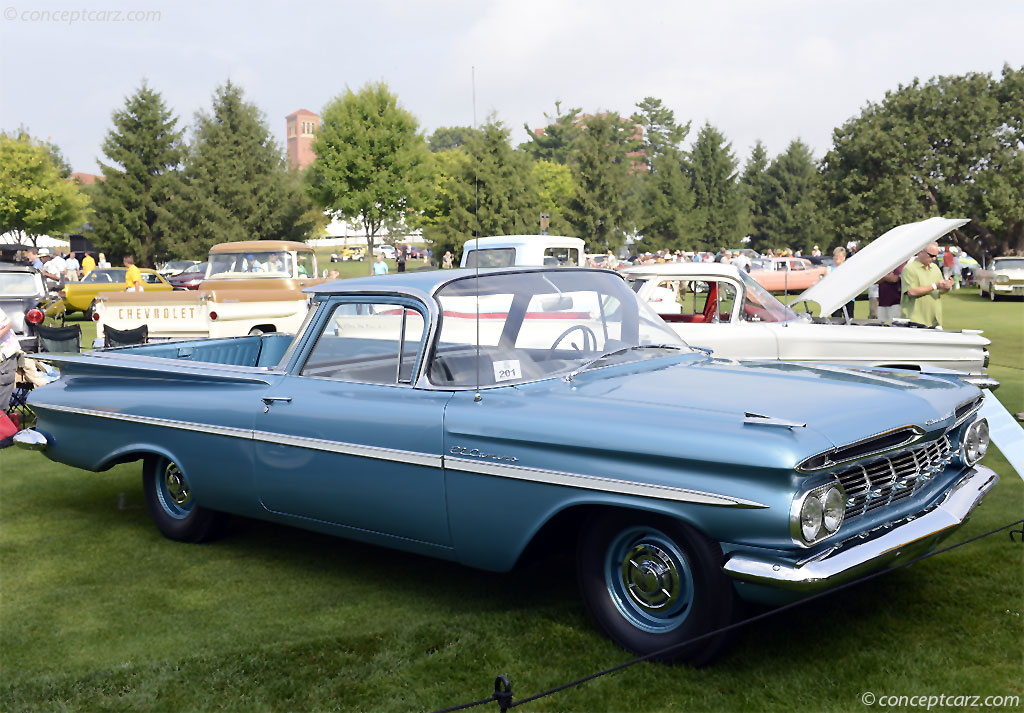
{"x": 42, "y": 241}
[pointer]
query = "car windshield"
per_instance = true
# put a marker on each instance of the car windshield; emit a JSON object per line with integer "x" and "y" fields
{"x": 760, "y": 305}
{"x": 254, "y": 264}
{"x": 104, "y": 276}
{"x": 178, "y": 265}
{"x": 20, "y": 283}
{"x": 1009, "y": 263}
{"x": 541, "y": 324}
{"x": 198, "y": 267}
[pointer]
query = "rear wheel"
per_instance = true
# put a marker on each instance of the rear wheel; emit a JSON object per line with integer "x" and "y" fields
{"x": 651, "y": 582}
{"x": 170, "y": 503}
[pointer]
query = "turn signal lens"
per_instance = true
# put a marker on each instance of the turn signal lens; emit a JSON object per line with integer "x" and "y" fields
{"x": 213, "y": 316}
{"x": 95, "y": 317}
{"x": 34, "y": 316}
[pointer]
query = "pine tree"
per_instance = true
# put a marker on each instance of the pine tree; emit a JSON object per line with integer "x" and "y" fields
{"x": 793, "y": 211}
{"x": 556, "y": 141}
{"x": 668, "y": 219}
{"x": 237, "y": 183}
{"x": 604, "y": 210}
{"x": 661, "y": 132}
{"x": 132, "y": 205}
{"x": 488, "y": 188}
{"x": 725, "y": 214}
{"x": 754, "y": 184}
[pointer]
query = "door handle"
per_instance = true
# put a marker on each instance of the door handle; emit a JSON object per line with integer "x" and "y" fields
{"x": 267, "y": 400}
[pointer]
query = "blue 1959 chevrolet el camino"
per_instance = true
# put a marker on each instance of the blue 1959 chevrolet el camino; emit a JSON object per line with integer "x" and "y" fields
{"x": 466, "y": 417}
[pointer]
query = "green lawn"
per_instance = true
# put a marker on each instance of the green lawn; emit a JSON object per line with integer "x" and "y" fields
{"x": 99, "y": 612}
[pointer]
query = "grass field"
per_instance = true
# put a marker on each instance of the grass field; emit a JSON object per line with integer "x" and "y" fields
{"x": 99, "y": 612}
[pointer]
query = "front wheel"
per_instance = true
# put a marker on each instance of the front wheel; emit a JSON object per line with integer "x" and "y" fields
{"x": 170, "y": 503}
{"x": 88, "y": 312}
{"x": 651, "y": 582}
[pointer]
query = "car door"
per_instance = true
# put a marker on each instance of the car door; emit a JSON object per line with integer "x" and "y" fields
{"x": 344, "y": 439}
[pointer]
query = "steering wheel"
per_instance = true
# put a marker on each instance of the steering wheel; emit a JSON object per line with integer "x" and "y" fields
{"x": 589, "y": 338}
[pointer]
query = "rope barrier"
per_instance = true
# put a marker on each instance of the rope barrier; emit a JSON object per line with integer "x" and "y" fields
{"x": 503, "y": 687}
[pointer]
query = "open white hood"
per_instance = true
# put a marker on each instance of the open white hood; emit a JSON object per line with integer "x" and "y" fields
{"x": 870, "y": 264}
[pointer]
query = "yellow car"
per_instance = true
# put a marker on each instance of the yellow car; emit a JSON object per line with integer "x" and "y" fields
{"x": 81, "y": 296}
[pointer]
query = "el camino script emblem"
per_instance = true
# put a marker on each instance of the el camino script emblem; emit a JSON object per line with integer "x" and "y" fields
{"x": 477, "y": 453}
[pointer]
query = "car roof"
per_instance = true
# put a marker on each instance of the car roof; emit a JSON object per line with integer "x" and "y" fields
{"x": 424, "y": 281}
{"x": 259, "y": 246}
{"x": 16, "y": 267}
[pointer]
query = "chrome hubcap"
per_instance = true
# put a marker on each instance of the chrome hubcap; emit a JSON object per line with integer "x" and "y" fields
{"x": 651, "y": 577}
{"x": 175, "y": 485}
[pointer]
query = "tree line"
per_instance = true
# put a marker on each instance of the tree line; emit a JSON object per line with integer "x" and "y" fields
{"x": 947, "y": 146}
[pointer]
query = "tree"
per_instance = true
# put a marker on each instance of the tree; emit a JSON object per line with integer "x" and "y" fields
{"x": 950, "y": 146}
{"x": 237, "y": 186}
{"x": 555, "y": 188}
{"x": 141, "y": 181}
{"x": 723, "y": 208}
{"x": 556, "y": 141}
{"x": 753, "y": 183}
{"x": 792, "y": 212}
{"x": 667, "y": 218}
{"x": 489, "y": 189}
{"x": 449, "y": 137}
{"x": 372, "y": 164}
{"x": 661, "y": 132}
{"x": 604, "y": 210}
{"x": 35, "y": 199}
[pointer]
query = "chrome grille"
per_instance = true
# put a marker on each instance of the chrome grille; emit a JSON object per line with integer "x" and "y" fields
{"x": 885, "y": 481}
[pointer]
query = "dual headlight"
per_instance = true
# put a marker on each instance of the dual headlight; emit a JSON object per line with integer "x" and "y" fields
{"x": 975, "y": 442}
{"x": 818, "y": 514}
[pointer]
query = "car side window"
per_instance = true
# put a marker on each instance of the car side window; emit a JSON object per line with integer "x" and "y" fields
{"x": 694, "y": 300}
{"x": 150, "y": 278}
{"x": 368, "y": 342}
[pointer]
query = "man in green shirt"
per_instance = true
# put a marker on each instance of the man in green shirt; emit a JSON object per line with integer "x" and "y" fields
{"x": 922, "y": 288}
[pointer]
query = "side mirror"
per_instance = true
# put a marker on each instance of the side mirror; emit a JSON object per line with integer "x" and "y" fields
{"x": 556, "y": 303}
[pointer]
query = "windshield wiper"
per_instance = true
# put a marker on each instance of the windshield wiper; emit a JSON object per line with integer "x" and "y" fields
{"x": 586, "y": 365}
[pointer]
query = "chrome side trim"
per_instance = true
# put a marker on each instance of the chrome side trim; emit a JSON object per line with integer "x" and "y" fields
{"x": 595, "y": 482}
{"x": 855, "y": 556}
{"x": 350, "y": 449}
{"x": 467, "y": 465}
{"x": 151, "y": 421}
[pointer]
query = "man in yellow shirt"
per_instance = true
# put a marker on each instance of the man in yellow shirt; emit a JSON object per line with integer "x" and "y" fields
{"x": 88, "y": 264}
{"x": 132, "y": 276}
{"x": 923, "y": 287}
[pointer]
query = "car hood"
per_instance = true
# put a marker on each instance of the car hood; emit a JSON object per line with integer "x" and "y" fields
{"x": 842, "y": 404}
{"x": 874, "y": 261}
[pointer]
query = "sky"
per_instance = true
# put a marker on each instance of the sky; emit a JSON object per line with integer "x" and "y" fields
{"x": 774, "y": 70}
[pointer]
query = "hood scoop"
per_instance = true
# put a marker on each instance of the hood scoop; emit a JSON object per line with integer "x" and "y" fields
{"x": 757, "y": 419}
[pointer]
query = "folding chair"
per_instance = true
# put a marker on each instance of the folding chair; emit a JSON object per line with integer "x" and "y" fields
{"x": 60, "y": 339}
{"x": 125, "y": 337}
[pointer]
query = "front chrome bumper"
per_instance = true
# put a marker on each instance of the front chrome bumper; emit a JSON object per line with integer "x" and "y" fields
{"x": 865, "y": 553}
{"x": 30, "y": 439}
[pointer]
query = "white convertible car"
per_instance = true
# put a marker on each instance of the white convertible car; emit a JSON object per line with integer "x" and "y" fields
{"x": 723, "y": 308}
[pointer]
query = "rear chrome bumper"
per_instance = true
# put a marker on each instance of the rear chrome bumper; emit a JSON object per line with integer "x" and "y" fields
{"x": 982, "y": 381}
{"x": 30, "y": 439}
{"x": 859, "y": 555}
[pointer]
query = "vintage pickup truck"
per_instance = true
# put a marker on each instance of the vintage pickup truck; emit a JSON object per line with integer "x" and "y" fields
{"x": 565, "y": 413}
{"x": 251, "y": 287}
